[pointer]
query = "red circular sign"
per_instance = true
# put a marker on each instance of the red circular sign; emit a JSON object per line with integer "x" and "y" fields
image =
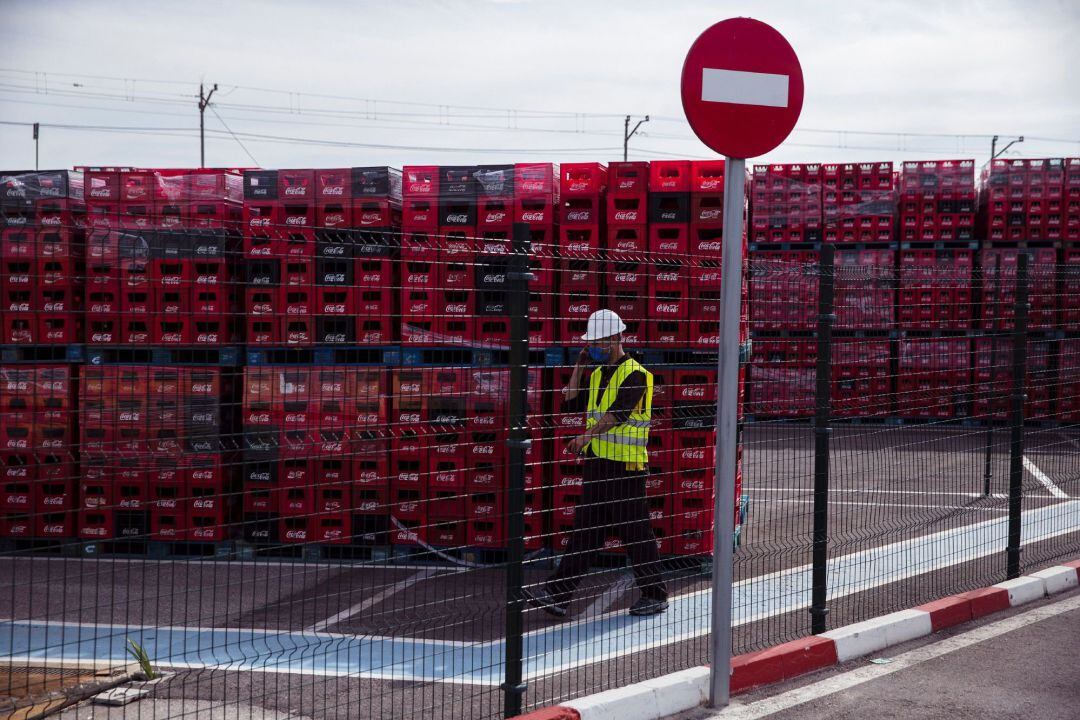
{"x": 742, "y": 88}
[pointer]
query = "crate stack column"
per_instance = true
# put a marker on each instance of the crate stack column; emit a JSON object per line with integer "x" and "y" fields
{"x": 935, "y": 305}
{"x": 668, "y": 284}
{"x": 1068, "y": 387}
{"x": 42, "y": 248}
{"x": 627, "y": 248}
{"x": 1013, "y": 212}
{"x": 786, "y": 234}
{"x": 420, "y": 252}
{"x": 704, "y": 252}
{"x": 859, "y": 206}
{"x": 40, "y": 492}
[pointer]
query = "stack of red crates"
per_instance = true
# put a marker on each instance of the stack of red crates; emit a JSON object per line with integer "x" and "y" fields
{"x": 430, "y": 454}
{"x": 690, "y": 449}
{"x": 937, "y": 201}
{"x": 858, "y": 202}
{"x": 783, "y": 290}
{"x": 537, "y": 203}
{"x": 936, "y": 288}
{"x": 158, "y": 259}
{"x": 1071, "y": 198}
{"x": 668, "y": 285}
{"x": 487, "y": 273}
{"x": 279, "y": 254}
{"x": 582, "y": 216}
{"x": 567, "y": 472}
{"x": 1068, "y": 399}
{"x": 861, "y": 377}
{"x": 448, "y": 458}
{"x": 999, "y": 270}
{"x": 1023, "y": 200}
{"x": 316, "y": 450}
{"x": 153, "y": 458}
{"x": 42, "y": 249}
{"x": 865, "y": 289}
{"x": 933, "y": 377}
{"x": 705, "y": 251}
{"x": 37, "y": 431}
{"x": 993, "y": 378}
{"x": 786, "y": 204}
{"x": 357, "y": 216}
{"x": 627, "y": 244}
{"x": 439, "y": 235}
{"x": 782, "y": 376}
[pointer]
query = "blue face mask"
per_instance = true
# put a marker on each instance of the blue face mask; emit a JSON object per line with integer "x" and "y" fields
{"x": 599, "y": 354}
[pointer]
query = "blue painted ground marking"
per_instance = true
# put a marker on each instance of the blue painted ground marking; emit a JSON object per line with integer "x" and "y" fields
{"x": 547, "y": 650}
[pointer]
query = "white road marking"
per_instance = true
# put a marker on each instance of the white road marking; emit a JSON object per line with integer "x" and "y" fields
{"x": 870, "y": 491}
{"x": 808, "y": 502}
{"x": 845, "y": 681}
{"x": 609, "y": 597}
{"x": 1044, "y": 479}
{"x": 373, "y": 600}
{"x": 744, "y": 88}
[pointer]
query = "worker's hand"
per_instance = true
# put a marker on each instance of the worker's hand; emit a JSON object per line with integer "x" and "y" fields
{"x": 583, "y": 357}
{"x": 577, "y": 444}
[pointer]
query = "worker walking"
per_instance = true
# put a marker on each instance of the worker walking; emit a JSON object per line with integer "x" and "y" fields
{"x": 615, "y": 451}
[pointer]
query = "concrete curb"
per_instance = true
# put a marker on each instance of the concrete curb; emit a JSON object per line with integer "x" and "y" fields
{"x": 687, "y": 689}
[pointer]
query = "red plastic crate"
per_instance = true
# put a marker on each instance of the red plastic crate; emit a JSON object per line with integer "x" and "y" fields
{"x": 669, "y": 176}
{"x": 627, "y": 210}
{"x": 582, "y": 179}
{"x": 628, "y": 178}
{"x": 707, "y": 176}
{"x": 627, "y": 240}
{"x": 583, "y": 240}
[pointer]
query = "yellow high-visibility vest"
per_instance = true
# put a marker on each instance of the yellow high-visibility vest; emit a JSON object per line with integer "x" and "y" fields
{"x": 629, "y": 441}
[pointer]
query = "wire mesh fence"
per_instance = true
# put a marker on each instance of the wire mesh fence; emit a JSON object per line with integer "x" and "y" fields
{"x": 363, "y": 453}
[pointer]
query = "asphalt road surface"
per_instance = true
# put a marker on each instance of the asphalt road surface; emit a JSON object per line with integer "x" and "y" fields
{"x": 908, "y": 522}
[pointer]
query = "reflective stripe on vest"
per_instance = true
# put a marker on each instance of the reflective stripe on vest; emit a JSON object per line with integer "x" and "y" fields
{"x": 628, "y": 441}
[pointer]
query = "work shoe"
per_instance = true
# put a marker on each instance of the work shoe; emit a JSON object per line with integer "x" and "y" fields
{"x": 540, "y": 598}
{"x": 647, "y": 606}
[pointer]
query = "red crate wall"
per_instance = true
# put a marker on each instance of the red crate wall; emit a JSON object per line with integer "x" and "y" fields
{"x": 37, "y": 433}
{"x": 1024, "y": 200}
{"x": 937, "y": 201}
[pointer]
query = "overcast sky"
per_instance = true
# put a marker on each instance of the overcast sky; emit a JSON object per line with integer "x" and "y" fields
{"x": 553, "y": 79}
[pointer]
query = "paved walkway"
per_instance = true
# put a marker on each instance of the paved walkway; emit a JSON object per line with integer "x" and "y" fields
{"x": 1020, "y": 664}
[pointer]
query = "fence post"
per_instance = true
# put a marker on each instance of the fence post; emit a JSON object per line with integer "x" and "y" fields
{"x": 822, "y": 433}
{"x": 1016, "y": 414}
{"x": 517, "y": 301}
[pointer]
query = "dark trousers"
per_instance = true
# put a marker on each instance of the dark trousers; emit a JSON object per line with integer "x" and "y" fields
{"x": 613, "y": 502}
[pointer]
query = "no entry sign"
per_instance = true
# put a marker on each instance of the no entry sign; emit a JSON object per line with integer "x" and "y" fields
{"x": 742, "y": 88}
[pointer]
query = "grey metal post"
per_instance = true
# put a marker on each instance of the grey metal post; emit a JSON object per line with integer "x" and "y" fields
{"x": 1016, "y": 416}
{"x": 727, "y": 409}
{"x": 517, "y": 301}
{"x": 822, "y": 432}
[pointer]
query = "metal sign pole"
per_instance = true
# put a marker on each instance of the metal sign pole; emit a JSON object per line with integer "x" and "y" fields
{"x": 727, "y": 409}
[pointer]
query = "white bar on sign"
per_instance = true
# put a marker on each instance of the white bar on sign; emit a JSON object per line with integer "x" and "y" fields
{"x": 744, "y": 88}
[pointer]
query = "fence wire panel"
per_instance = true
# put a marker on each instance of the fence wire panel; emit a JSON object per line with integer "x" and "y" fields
{"x": 351, "y": 443}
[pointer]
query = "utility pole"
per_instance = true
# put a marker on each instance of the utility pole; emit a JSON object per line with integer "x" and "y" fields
{"x": 37, "y": 131}
{"x": 993, "y": 147}
{"x": 203, "y": 102}
{"x": 628, "y": 133}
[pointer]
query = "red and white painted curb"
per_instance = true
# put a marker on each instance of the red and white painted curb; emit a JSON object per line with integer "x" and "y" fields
{"x": 687, "y": 689}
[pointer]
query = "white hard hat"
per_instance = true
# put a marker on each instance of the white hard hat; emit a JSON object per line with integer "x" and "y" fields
{"x": 603, "y": 324}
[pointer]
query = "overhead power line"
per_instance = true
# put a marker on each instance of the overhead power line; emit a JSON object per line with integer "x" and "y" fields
{"x": 441, "y": 113}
